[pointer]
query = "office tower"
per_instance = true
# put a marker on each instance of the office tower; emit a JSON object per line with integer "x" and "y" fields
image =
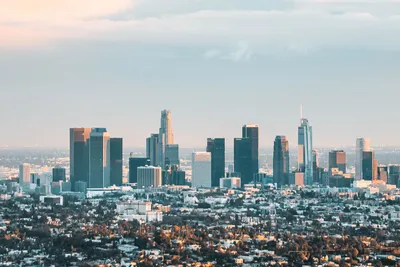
{"x": 166, "y": 136}
{"x": 362, "y": 144}
{"x": 149, "y": 176}
{"x": 369, "y": 166}
{"x": 99, "y": 158}
{"x": 152, "y": 149}
{"x": 24, "y": 174}
{"x": 201, "y": 169}
{"x": 246, "y": 153}
{"x": 305, "y": 151}
{"x": 216, "y": 146}
{"x": 116, "y": 160}
{"x": 394, "y": 174}
{"x": 178, "y": 177}
{"x": 281, "y": 164}
{"x": 59, "y": 174}
{"x": 79, "y": 155}
{"x": 172, "y": 155}
{"x": 337, "y": 159}
{"x": 134, "y": 164}
{"x": 34, "y": 178}
{"x": 383, "y": 173}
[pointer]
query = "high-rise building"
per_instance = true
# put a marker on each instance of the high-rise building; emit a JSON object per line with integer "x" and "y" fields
{"x": 362, "y": 144}
{"x": 116, "y": 160}
{"x": 246, "y": 153}
{"x": 216, "y": 146}
{"x": 99, "y": 158}
{"x": 201, "y": 169}
{"x": 172, "y": 155}
{"x": 149, "y": 176}
{"x": 152, "y": 149}
{"x": 59, "y": 174}
{"x": 369, "y": 166}
{"x": 394, "y": 174}
{"x": 24, "y": 174}
{"x": 230, "y": 182}
{"x": 134, "y": 164}
{"x": 337, "y": 159}
{"x": 281, "y": 166}
{"x": 315, "y": 166}
{"x": 79, "y": 155}
{"x": 178, "y": 177}
{"x": 305, "y": 151}
{"x": 383, "y": 173}
{"x": 166, "y": 136}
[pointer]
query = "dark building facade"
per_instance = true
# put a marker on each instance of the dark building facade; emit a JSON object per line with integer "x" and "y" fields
{"x": 79, "y": 155}
{"x": 116, "y": 159}
{"x": 59, "y": 174}
{"x": 281, "y": 165}
{"x": 337, "y": 159}
{"x": 134, "y": 164}
{"x": 178, "y": 177}
{"x": 394, "y": 174}
{"x": 369, "y": 166}
{"x": 216, "y": 146}
{"x": 152, "y": 149}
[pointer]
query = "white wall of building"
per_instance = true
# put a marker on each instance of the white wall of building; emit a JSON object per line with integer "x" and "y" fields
{"x": 201, "y": 169}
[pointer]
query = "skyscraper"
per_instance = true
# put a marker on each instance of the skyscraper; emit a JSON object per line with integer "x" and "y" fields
{"x": 246, "y": 153}
{"x": 337, "y": 159}
{"x": 166, "y": 136}
{"x": 315, "y": 166}
{"x": 362, "y": 144}
{"x": 134, "y": 164}
{"x": 59, "y": 174}
{"x": 178, "y": 177}
{"x": 152, "y": 149}
{"x": 172, "y": 155}
{"x": 281, "y": 165}
{"x": 79, "y": 155}
{"x": 216, "y": 146}
{"x": 24, "y": 174}
{"x": 201, "y": 169}
{"x": 99, "y": 158}
{"x": 149, "y": 176}
{"x": 305, "y": 151}
{"x": 369, "y": 166}
{"x": 116, "y": 158}
{"x": 394, "y": 174}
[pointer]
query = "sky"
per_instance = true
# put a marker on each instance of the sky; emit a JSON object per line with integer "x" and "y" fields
{"x": 215, "y": 64}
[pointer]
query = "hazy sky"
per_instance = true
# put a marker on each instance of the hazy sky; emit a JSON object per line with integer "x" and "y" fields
{"x": 217, "y": 64}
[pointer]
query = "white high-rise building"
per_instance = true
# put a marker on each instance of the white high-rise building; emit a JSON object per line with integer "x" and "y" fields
{"x": 362, "y": 145}
{"x": 99, "y": 158}
{"x": 201, "y": 169}
{"x": 149, "y": 176}
{"x": 166, "y": 136}
{"x": 24, "y": 174}
{"x": 305, "y": 151}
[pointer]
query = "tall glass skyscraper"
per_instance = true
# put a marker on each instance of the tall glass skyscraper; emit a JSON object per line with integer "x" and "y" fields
{"x": 305, "y": 151}
{"x": 99, "y": 158}
{"x": 79, "y": 155}
{"x": 166, "y": 136}
{"x": 362, "y": 145}
{"x": 116, "y": 158}
{"x": 216, "y": 146}
{"x": 281, "y": 165}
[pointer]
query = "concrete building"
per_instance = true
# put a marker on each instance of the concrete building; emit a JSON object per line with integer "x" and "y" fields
{"x": 152, "y": 149}
{"x": 201, "y": 169}
{"x": 149, "y": 176}
{"x": 165, "y": 137}
{"x": 24, "y": 174}
{"x": 138, "y": 210}
{"x": 362, "y": 145}
{"x": 178, "y": 177}
{"x": 297, "y": 178}
{"x": 230, "y": 183}
{"x": 99, "y": 158}
{"x": 172, "y": 155}
{"x": 337, "y": 159}
{"x": 369, "y": 166}
{"x": 134, "y": 164}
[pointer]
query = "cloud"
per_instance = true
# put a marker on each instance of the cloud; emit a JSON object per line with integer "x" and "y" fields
{"x": 305, "y": 26}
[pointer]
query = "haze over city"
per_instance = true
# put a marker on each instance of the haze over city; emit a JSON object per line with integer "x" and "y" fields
{"x": 216, "y": 64}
